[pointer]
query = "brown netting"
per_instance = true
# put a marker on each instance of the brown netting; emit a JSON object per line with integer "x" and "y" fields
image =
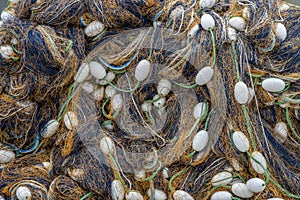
{"x": 48, "y": 45}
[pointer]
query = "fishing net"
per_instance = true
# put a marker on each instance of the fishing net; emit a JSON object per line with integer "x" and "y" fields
{"x": 92, "y": 140}
{"x": 30, "y": 171}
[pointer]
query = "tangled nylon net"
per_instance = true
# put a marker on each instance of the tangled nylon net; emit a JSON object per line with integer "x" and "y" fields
{"x": 46, "y": 45}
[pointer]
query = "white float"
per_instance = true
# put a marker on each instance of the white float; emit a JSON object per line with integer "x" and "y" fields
{"x": 164, "y": 87}
{"x": 256, "y": 185}
{"x": 204, "y": 75}
{"x": 94, "y": 29}
{"x": 117, "y": 190}
{"x": 7, "y": 16}
{"x": 207, "y": 22}
{"x": 207, "y": 3}
{"x": 280, "y": 31}
{"x": 146, "y": 106}
{"x": 221, "y": 195}
{"x": 246, "y": 13}
{"x": 182, "y": 195}
{"x": 241, "y": 190}
{"x": 71, "y": 120}
{"x": 6, "y": 51}
{"x": 200, "y": 140}
{"x": 283, "y": 7}
{"x": 142, "y": 70}
{"x": 97, "y": 70}
{"x": 98, "y": 94}
{"x": 82, "y": 73}
{"x": 165, "y": 173}
{"x": 110, "y": 91}
{"x": 281, "y": 131}
{"x": 273, "y": 84}
{"x": 193, "y": 31}
{"x": 140, "y": 174}
{"x": 222, "y": 178}
{"x": 50, "y": 128}
{"x": 110, "y": 76}
{"x": 88, "y": 87}
{"x": 240, "y": 141}
{"x": 158, "y": 194}
{"x": 160, "y": 102}
{"x": 23, "y": 193}
{"x": 134, "y": 196}
{"x": 232, "y": 35}
{"x": 107, "y": 145}
{"x": 199, "y": 110}
{"x": 6, "y": 156}
{"x": 237, "y": 23}
{"x": 261, "y": 159}
{"x": 117, "y": 102}
{"x": 241, "y": 93}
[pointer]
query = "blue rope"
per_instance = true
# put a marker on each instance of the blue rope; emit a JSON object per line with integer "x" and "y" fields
{"x": 36, "y": 144}
{"x": 115, "y": 67}
{"x": 157, "y": 15}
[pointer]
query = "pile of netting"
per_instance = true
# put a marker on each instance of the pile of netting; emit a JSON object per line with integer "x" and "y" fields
{"x": 150, "y": 99}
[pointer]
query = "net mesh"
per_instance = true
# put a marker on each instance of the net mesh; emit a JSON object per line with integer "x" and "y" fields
{"x": 48, "y": 45}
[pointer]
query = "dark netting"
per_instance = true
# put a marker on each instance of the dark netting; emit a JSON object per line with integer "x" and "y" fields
{"x": 82, "y": 116}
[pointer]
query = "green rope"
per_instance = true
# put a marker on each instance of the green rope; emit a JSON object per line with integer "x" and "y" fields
{"x": 214, "y": 47}
{"x": 152, "y": 189}
{"x": 118, "y": 72}
{"x": 69, "y": 46}
{"x": 14, "y": 58}
{"x": 235, "y": 198}
{"x": 290, "y": 123}
{"x": 154, "y": 174}
{"x": 107, "y": 122}
{"x": 287, "y": 86}
{"x": 122, "y": 90}
{"x": 153, "y": 100}
{"x": 222, "y": 179}
{"x": 207, "y": 120}
{"x": 290, "y": 100}
{"x": 285, "y": 191}
{"x": 188, "y": 40}
{"x": 235, "y": 174}
{"x": 194, "y": 126}
{"x": 150, "y": 118}
{"x": 253, "y": 75}
{"x": 248, "y": 126}
{"x": 160, "y": 110}
{"x": 118, "y": 172}
{"x": 175, "y": 176}
{"x": 255, "y": 82}
{"x": 64, "y": 106}
{"x": 32, "y": 15}
{"x": 169, "y": 23}
{"x": 151, "y": 52}
{"x": 235, "y": 61}
{"x": 100, "y": 35}
{"x": 220, "y": 186}
{"x": 266, "y": 172}
{"x": 15, "y": 50}
{"x": 86, "y": 196}
{"x": 103, "y": 107}
{"x": 198, "y": 120}
{"x": 185, "y": 86}
{"x": 191, "y": 154}
{"x": 7, "y": 5}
